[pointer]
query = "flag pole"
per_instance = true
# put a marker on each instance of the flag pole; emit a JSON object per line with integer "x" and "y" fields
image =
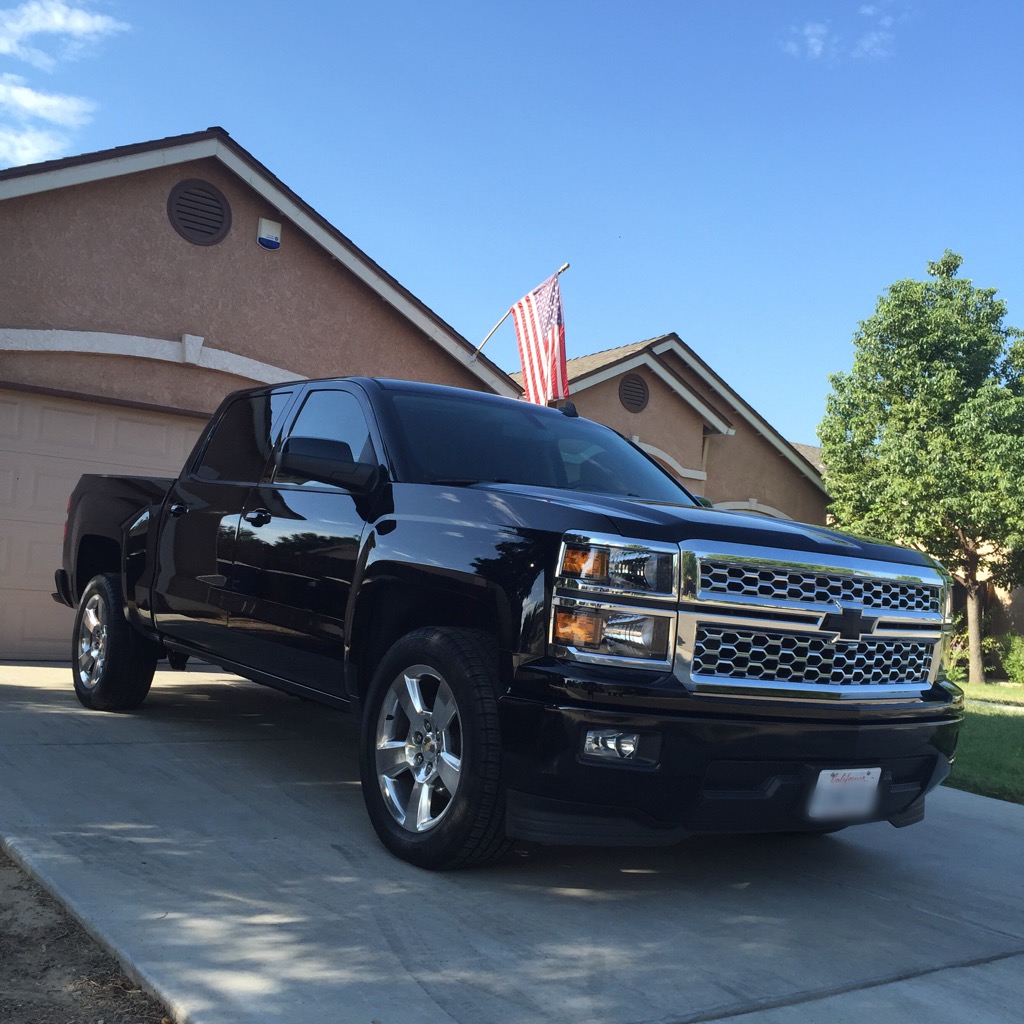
{"x": 561, "y": 270}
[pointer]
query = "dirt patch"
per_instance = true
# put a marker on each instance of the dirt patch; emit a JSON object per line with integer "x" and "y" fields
{"x": 52, "y": 971}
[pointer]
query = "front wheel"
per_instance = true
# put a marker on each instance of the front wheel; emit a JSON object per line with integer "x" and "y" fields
{"x": 430, "y": 755}
{"x": 112, "y": 664}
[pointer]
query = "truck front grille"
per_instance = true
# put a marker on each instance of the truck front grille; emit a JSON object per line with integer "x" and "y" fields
{"x": 804, "y": 586}
{"x": 810, "y": 626}
{"x": 779, "y": 657}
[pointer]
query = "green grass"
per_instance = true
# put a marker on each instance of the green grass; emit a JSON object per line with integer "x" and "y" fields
{"x": 990, "y": 754}
{"x": 995, "y": 693}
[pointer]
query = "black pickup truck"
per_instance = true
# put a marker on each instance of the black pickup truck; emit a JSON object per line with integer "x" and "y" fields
{"x": 546, "y": 637}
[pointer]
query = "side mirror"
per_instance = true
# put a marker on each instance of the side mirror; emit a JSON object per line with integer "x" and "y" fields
{"x": 326, "y": 462}
{"x": 702, "y": 501}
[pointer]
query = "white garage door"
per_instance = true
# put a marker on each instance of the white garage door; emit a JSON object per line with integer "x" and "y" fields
{"x": 45, "y": 445}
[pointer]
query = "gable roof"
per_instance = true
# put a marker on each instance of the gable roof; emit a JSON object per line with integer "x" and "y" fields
{"x": 586, "y": 371}
{"x": 812, "y": 453}
{"x": 217, "y": 144}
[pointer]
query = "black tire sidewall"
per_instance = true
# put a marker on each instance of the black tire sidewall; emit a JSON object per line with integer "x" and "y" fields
{"x": 467, "y": 833}
{"x": 130, "y": 658}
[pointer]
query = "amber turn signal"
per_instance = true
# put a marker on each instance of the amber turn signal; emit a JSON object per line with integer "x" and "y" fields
{"x": 577, "y": 629}
{"x": 585, "y": 563}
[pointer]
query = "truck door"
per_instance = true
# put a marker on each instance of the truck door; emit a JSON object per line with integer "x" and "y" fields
{"x": 298, "y": 544}
{"x": 200, "y": 517}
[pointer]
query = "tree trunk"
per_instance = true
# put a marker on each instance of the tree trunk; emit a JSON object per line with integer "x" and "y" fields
{"x": 976, "y": 669}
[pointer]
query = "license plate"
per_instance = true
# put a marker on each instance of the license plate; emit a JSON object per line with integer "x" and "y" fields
{"x": 844, "y": 793}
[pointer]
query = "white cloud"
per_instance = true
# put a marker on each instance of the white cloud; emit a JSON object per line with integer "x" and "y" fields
{"x": 878, "y": 42}
{"x": 69, "y": 25}
{"x": 24, "y": 102}
{"x": 873, "y": 38}
{"x": 42, "y": 33}
{"x": 875, "y": 45}
{"x": 813, "y": 40}
{"x": 25, "y": 145}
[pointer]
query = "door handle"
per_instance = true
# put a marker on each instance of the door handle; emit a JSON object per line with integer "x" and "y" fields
{"x": 177, "y": 508}
{"x": 257, "y": 516}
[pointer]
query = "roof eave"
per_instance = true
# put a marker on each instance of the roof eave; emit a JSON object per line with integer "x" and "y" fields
{"x": 598, "y": 375}
{"x": 216, "y": 143}
{"x": 672, "y": 342}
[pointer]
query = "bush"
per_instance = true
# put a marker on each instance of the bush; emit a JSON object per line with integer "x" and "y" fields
{"x": 956, "y": 657}
{"x": 1011, "y": 653}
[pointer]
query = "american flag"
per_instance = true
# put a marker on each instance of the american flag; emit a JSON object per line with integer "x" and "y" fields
{"x": 540, "y": 331}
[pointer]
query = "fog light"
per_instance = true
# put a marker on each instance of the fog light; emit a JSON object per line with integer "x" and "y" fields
{"x": 611, "y": 744}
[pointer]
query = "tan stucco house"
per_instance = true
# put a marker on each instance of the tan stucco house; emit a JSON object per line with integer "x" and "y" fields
{"x": 139, "y": 285}
{"x": 135, "y": 294}
{"x": 669, "y": 401}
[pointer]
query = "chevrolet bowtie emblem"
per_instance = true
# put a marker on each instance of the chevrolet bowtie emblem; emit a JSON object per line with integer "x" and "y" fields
{"x": 850, "y": 624}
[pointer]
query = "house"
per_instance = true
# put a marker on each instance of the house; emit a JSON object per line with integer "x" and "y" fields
{"x": 661, "y": 394}
{"x": 138, "y": 286}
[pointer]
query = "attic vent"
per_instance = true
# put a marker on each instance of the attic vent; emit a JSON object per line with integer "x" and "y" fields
{"x": 199, "y": 212}
{"x": 633, "y": 393}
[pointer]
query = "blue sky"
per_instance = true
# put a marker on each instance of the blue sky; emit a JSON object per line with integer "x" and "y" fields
{"x": 749, "y": 174}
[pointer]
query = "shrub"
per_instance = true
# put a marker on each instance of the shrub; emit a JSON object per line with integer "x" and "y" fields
{"x": 1012, "y": 655}
{"x": 956, "y": 657}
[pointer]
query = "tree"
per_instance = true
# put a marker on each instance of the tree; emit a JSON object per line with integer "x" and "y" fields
{"x": 923, "y": 440}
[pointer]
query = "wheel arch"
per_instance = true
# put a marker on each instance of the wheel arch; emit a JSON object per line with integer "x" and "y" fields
{"x": 389, "y": 606}
{"x": 96, "y": 555}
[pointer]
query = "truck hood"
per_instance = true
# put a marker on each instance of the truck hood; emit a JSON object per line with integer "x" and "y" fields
{"x": 648, "y": 521}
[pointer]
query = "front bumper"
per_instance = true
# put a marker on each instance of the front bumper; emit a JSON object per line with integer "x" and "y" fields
{"x": 709, "y": 764}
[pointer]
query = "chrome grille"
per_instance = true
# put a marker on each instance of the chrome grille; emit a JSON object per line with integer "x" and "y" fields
{"x": 770, "y": 656}
{"x": 781, "y": 583}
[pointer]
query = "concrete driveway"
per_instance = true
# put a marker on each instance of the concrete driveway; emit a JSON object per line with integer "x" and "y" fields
{"x": 216, "y": 841}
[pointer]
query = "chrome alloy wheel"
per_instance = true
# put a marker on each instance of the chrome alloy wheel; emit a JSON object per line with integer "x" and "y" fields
{"x": 92, "y": 642}
{"x": 418, "y": 748}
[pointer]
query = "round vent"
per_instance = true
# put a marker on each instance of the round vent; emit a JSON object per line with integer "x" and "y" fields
{"x": 199, "y": 212}
{"x": 633, "y": 393}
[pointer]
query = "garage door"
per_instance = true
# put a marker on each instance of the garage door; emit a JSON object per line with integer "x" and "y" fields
{"x": 45, "y": 445}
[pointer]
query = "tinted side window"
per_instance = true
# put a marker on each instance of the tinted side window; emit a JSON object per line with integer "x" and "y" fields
{"x": 243, "y": 439}
{"x": 335, "y": 416}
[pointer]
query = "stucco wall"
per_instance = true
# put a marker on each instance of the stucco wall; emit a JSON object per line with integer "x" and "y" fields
{"x": 746, "y": 465}
{"x": 666, "y": 422}
{"x": 158, "y": 384}
{"x": 104, "y": 257}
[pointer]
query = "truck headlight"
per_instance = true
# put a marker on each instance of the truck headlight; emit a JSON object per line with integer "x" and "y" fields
{"x": 615, "y": 565}
{"x": 612, "y": 632}
{"x": 615, "y": 600}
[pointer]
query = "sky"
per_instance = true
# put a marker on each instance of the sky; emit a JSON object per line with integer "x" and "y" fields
{"x": 749, "y": 174}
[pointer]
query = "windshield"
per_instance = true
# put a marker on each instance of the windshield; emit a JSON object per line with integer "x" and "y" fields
{"x": 462, "y": 441}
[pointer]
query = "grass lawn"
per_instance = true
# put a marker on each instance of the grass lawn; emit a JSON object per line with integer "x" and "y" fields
{"x": 990, "y": 754}
{"x": 995, "y": 693}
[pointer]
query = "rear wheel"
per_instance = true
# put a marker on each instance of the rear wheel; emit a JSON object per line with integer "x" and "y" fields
{"x": 112, "y": 664}
{"x": 430, "y": 756}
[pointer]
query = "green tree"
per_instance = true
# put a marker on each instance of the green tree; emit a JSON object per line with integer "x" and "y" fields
{"x": 923, "y": 440}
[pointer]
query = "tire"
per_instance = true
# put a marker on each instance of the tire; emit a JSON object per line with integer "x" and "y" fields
{"x": 112, "y": 664}
{"x": 430, "y": 750}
